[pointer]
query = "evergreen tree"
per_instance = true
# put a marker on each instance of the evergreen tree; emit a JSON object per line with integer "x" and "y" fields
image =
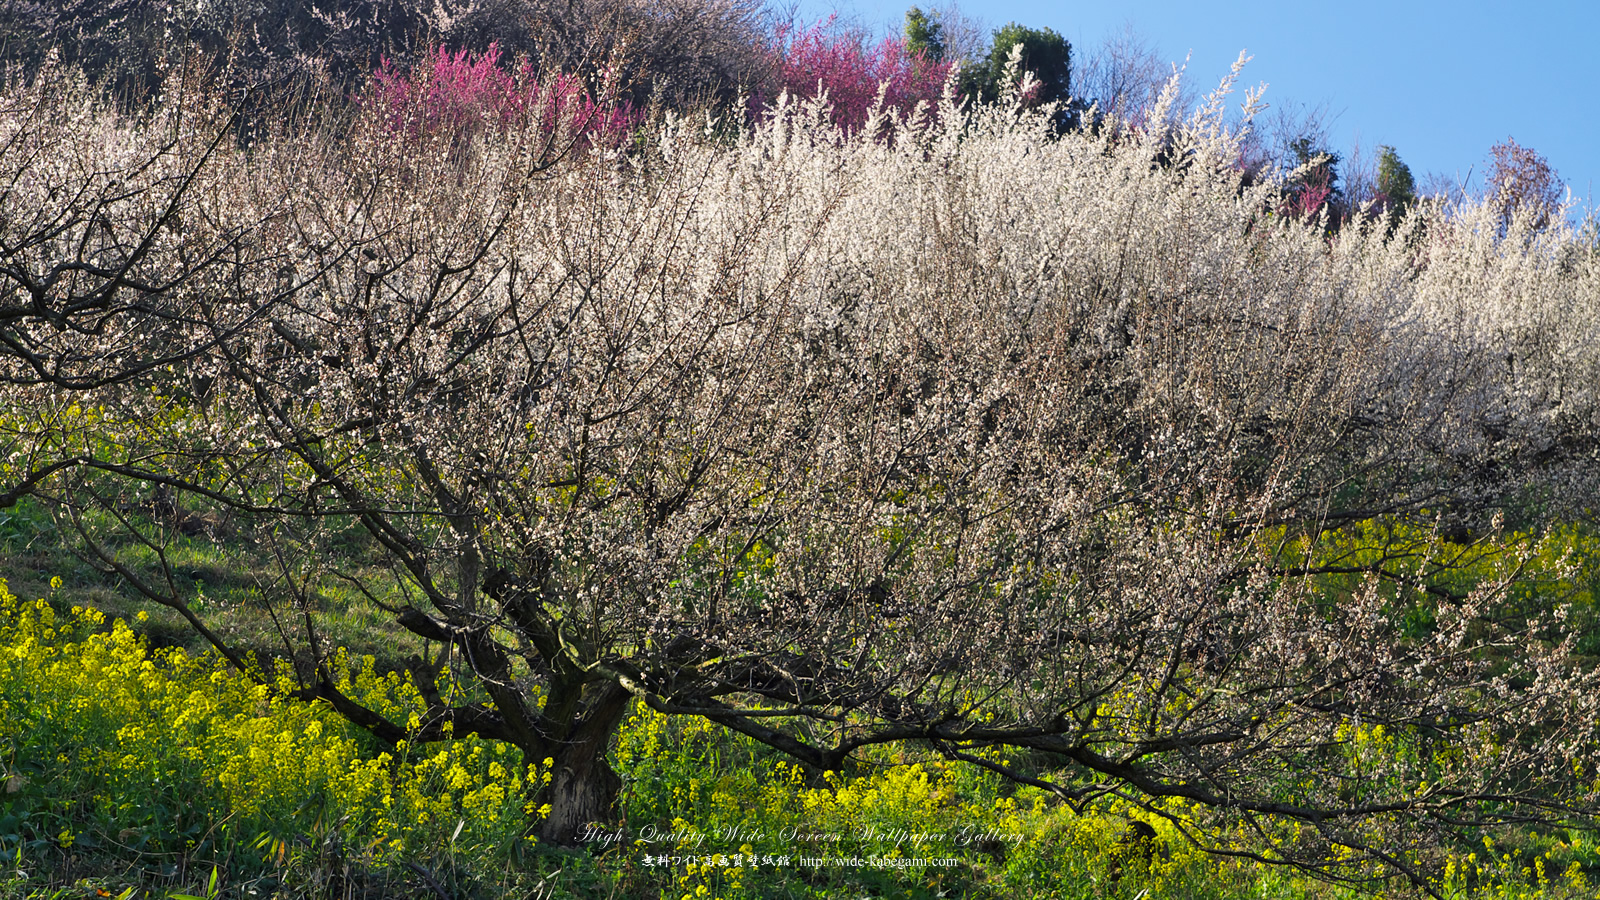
{"x": 924, "y": 34}
{"x": 1045, "y": 53}
{"x": 1396, "y": 187}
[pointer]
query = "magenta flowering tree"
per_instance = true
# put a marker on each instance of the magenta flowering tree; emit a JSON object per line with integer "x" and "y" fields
{"x": 462, "y": 93}
{"x": 448, "y": 91}
{"x": 821, "y": 60}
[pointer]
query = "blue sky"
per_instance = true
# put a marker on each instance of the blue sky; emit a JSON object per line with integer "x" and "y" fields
{"x": 1440, "y": 81}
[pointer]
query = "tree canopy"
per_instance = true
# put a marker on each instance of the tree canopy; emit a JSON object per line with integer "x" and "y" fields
{"x": 924, "y": 34}
{"x": 1040, "y": 52}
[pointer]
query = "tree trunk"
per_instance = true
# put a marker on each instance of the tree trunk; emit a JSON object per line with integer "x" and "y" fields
{"x": 583, "y": 788}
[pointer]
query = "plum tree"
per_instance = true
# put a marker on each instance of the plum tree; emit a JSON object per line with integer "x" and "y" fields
{"x": 1520, "y": 182}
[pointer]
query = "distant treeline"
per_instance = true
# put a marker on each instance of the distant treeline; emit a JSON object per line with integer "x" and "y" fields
{"x": 723, "y": 54}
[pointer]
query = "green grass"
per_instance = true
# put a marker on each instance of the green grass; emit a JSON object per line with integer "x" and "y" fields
{"x": 223, "y": 579}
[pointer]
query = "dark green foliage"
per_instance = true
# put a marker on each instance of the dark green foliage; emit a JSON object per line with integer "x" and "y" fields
{"x": 924, "y": 34}
{"x": 1323, "y": 163}
{"x": 1395, "y": 183}
{"x": 1396, "y": 190}
{"x": 1045, "y": 53}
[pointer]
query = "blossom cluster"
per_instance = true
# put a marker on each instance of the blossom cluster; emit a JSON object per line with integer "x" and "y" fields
{"x": 462, "y": 92}
{"x": 853, "y": 77}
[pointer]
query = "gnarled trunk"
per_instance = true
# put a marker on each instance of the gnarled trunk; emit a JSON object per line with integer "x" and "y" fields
{"x": 583, "y": 788}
